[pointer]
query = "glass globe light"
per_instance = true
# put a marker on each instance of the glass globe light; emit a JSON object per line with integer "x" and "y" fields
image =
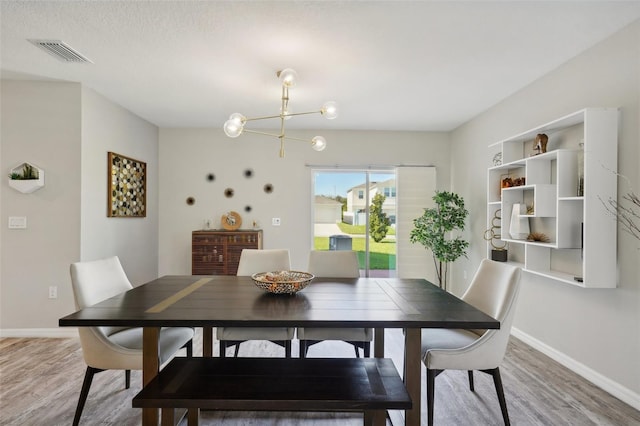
{"x": 288, "y": 77}
{"x": 238, "y": 118}
{"x": 318, "y": 143}
{"x": 233, "y": 128}
{"x": 329, "y": 110}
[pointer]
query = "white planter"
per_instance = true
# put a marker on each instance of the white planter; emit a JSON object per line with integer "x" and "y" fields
{"x": 27, "y": 186}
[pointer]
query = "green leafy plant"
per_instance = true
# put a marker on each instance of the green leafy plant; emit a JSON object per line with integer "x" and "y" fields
{"x": 378, "y": 220}
{"x": 433, "y": 229}
{"x": 28, "y": 173}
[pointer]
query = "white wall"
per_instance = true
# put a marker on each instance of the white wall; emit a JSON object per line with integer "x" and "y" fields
{"x": 596, "y": 332}
{"x": 109, "y": 127}
{"x": 188, "y": 155}
{"x": 67, "y": 130}
{"x": 40, "y": 125}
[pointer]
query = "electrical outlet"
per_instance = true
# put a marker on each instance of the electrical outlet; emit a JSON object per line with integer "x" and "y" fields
{"x": 53, "y": 292}
{"x": 275, "y": 221}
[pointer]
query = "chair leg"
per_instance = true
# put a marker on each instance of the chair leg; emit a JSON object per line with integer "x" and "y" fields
{"x": 287, "y": 348}
{"x": 223, "y": 348}
{"x": 127, "y": 379}
{"x": 303, "y": 349}
{"x": 471, "y": 387}
{"x": 189, "y": 347}
{"x": 88, "y": 378}
{"x": 367, "y": 349}
{"x": 497, "y": 381}
{"x": 235, "y": 353}
{"x": 355, "y": 348}
{"x": 431, "y": 381}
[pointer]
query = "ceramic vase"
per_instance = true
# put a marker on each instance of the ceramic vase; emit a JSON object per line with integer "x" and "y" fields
{"x": 519, "y": 226}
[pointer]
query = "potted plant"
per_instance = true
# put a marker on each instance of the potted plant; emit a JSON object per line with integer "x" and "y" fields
{"x": 433, "y": 230}
{"x": 26, "y": 178}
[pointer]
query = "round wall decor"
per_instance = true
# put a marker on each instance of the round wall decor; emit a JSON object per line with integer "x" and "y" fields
{"x": 231, "y": 221}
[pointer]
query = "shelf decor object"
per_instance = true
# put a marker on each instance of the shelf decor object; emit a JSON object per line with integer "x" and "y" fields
{"x": 235, "y": 125}
{"x": 26, "y": 178}
{"x": 126, "y": 186}
{"x": 519, "y": 226}
{"x": 499, "y": 251}
{"x": 231, "y": 221}
{"x": 566, "y": 230}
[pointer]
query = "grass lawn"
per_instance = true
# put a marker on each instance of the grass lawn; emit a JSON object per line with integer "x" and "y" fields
{"x": 383, "y": 254}
{"x": 359, "y": 229}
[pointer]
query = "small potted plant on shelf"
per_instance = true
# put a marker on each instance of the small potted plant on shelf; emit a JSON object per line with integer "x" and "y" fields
{"x": 433, "y": 230}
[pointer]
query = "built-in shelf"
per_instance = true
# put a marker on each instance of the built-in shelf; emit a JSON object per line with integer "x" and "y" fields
{"x": 563, "y": 193}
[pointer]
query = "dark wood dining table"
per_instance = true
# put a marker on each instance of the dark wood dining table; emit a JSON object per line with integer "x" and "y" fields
{"x": 212, "y": 301}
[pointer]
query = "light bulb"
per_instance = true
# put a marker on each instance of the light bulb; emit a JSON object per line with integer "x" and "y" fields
{"x": 288, "y": 77}
{"x": 329, "y": 110}
{"x": 237, "y": 118}
{"x": 318, "y": 143}
{"x": 233, "y": 127}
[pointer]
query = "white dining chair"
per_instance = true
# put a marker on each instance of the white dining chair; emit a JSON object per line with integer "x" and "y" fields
{"x": 114, "y": 348}
{"x": 493, "y": 290}
{"x": 335, "y": 264}
{"x": 253, "y": 261}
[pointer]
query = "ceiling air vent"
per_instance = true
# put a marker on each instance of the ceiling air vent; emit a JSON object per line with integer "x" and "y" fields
{"x": 60, "y": 50}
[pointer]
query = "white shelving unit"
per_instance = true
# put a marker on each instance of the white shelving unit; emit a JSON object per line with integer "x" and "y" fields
{"x": 582, "y": 234}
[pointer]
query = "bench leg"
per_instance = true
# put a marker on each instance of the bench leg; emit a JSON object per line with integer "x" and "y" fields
{"x": 193, "y": 417}
{"x": 167, "y": 417}
{"x": 375, "y": 418}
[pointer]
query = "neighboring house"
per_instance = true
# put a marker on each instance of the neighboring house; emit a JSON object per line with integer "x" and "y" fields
{"x": 327, "y": 210}
{"x": 357, "y": 206}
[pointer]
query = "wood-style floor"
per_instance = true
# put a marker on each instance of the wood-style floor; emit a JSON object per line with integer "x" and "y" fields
{"x": 40, "y": 381}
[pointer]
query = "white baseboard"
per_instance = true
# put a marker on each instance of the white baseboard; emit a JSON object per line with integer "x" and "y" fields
{"x": 39, "y": 332}
{"x": 614, "y": 388}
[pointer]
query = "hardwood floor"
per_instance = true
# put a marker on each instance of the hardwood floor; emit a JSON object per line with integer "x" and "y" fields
{"x": 40, "y": 381}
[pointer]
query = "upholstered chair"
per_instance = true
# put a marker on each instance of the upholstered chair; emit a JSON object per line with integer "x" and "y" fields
{"x": 114, "y": 348}
{"x": 335, "y": 264}
{"x": 251, "y": 262}
{"x": 494, "y": 290}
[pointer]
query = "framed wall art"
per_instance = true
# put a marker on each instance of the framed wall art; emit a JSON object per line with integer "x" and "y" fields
{"x": 126, "y": 186}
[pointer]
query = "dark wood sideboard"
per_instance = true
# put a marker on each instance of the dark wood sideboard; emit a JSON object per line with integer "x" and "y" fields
{"x": 217, "y": 252}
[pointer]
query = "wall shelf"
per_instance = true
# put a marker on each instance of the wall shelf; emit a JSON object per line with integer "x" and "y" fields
{"x": 581, "y": 231}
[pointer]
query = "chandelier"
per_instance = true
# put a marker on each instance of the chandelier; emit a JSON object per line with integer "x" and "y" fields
{"x": 235, "y": 125}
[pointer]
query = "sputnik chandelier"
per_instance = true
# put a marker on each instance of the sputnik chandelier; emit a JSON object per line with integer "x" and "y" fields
{"x": 235, "y": 125}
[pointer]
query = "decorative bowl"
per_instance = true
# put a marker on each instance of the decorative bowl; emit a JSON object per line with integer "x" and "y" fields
{"x": 282, "y": 282}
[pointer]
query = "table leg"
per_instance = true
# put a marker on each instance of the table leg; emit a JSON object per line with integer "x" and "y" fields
{"x": 377, "y": 417}
{"x": 150, "y": 368}
{"x": 378, "y": 343}
{"x": 207, "y": 342}
{"x": 412, "y": 369}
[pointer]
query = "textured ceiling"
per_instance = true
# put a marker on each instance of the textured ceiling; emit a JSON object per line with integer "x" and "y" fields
{"x": 390, "y": 65}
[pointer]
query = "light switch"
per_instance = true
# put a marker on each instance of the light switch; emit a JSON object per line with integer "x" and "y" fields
{"x": 17, "y": 222}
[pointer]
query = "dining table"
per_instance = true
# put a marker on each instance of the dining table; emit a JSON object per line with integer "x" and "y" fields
{"x": 410, "y": 304}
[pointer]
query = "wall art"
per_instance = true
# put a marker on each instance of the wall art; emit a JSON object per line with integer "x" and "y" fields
{"x": 126, "y": 186}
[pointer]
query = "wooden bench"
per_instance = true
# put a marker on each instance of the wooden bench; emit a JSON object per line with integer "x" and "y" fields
{"x": 275, "y": 384}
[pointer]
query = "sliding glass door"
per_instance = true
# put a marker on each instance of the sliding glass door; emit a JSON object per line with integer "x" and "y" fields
{"x": 356, "y": 210}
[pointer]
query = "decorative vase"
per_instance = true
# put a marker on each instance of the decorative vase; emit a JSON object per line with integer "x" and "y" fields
{"x": 519, "y": 226}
